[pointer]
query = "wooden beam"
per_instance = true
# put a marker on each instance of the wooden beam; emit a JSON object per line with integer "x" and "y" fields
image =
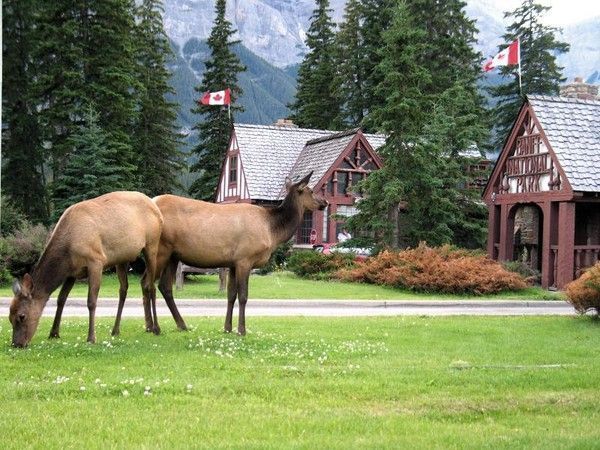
{"x": 566, "y": 244}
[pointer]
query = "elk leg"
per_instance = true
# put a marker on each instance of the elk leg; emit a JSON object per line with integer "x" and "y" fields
{"x": 60, "y": 304}
{"x": 165, "y": 286}
{"x": 222, "y": 278}
{"x": 149, "y": 289}
{"x": 147, "y": 306}
{"x": 123, "y": 286}
{"x": 231, "y": 295}
{"x": 94, "y": 280}
{"x": 242, "y": 291}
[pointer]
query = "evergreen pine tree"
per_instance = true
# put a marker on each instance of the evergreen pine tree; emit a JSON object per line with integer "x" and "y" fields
{"x": 110, "y": 77}
{"x": 316, "y": 105}
{"x": 377, "y": 17}
{"x": 22, "y": 177}
{"x": 351, "y": 68}
{"x": 92, "y": 168}
{"x": 156, "y": 140}
{"x": 215, "y": 127}
{"x": 431, "y": 113}
{"x": 540, "y": 72}
{"x": 85, "y": 55}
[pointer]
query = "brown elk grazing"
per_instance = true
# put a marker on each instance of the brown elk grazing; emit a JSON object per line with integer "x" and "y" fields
{"x": 110, "y": 230}
{"x": 239, "y": 236}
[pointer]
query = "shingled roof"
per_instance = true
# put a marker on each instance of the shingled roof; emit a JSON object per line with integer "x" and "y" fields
{"x": 572, "y": 127}
{"x": 271, "y": 153}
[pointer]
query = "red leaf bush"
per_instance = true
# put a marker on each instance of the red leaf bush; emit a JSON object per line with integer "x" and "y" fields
{"x": 584, "y": 292}
{"x": 441, "y": 269}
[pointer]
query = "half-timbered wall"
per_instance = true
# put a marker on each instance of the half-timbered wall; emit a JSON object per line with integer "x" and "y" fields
{"x": 338, "y": 186}
{"x": 232, "y": 184}
{"x": 530, "y": 167}
{"x": 534, "y": 215}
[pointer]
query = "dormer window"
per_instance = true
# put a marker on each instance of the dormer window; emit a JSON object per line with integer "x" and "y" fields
{"x": 233, "y": 163}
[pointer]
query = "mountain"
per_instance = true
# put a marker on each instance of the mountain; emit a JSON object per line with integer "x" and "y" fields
{"x": 267, "y": 89}
{"x": 272, "y": 34}
{"x": 275, "y": 30}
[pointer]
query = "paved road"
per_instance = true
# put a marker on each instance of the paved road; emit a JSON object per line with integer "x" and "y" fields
{"x": 133, "y": 308}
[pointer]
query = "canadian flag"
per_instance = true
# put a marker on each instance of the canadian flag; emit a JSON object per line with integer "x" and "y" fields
{"x": 508, "y": 57}
{"x": 217, "y": 98}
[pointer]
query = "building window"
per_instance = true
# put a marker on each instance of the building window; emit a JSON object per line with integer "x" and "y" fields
{"x": 233, "y": 169}
{"x": 326, "y": 224}
{"x": 305, "y": 228}
{"x": 342, "y": 187}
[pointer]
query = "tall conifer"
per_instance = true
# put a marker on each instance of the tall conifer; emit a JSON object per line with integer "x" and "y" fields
{"x": 351, "y": 68}
{"x": 22, "y": 177}
{"x": 156, "y": 140}
{"x": 431, "y": 112}
{"x": 92, "y": 169}
{"x": 85, "y": 55}
{"x": 540, "y": 71}
{"x": 316, "y": 105}
{"x": 215, "y": 126}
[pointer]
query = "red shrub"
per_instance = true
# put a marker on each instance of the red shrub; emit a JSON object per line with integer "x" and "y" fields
{"x": 584, "y": 292}
{"x": 441, "y": 269}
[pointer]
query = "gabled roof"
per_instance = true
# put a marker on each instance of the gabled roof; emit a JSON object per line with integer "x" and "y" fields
{"x": 271, "y": 153}
{"x": 572, "y": 127}
{"x": 319, "y": 154}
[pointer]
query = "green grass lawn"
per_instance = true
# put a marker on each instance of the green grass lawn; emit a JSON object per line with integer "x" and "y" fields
{"x": 402, "y": 382}
{"x": 285, "y": 285}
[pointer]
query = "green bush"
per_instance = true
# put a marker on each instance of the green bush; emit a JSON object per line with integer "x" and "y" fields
{"x": 20, "y": 250}
{"x": 531, "y": 275}
{"x": 11, "y": 219}
{"x": 310, "y": 264}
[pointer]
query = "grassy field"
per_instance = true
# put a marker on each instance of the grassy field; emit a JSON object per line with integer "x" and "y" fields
{"x": 405, "y": 382}
{"x": 285, "y": 285}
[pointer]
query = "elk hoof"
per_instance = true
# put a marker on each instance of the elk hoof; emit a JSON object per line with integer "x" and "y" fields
{"x": 91, "y": 339}
{"x": 241, "y": 332}
{"x": 156, "y": 330}
{"x": 54, "y": 335}
{"x": 115, "y": 332}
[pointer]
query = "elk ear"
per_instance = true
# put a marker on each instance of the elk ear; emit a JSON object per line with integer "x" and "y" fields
{"x": 304, "y": 181}
{"x": 16, "y": 287}
{"x": 27, "y": 285}
{"x": 288, "y": 183}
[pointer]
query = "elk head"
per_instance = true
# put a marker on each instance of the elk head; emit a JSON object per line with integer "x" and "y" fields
{"x": 305, "y": 196}
{"x": 25, "y": 312}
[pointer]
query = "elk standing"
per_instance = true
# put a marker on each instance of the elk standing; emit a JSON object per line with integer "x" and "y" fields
{"x": 239, "y": 236}
{"x": 106, "y": 231}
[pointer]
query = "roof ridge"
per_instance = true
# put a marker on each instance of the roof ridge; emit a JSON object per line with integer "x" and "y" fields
{"x": 280, "y": 128}
{"x": 335, "y": 135}
{"x": 559, "y": 99}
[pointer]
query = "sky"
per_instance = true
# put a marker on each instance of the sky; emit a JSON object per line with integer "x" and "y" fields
{"x": 563, "y": 12}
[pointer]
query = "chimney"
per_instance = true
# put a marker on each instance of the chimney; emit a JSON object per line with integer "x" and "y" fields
{"x": 579, "y": 89}
{"x": 287, "y": 123}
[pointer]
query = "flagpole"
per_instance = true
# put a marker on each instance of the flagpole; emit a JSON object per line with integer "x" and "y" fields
{"x": 519, "y": 57}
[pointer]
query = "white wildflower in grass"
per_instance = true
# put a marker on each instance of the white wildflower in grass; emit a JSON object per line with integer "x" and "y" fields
{"x": 97, "y": 380}
{"x": 102, "y": 385}
{"x": 82, "y": 388}
{"x": 189, "y": 387}
{"x": 125, "y": 393}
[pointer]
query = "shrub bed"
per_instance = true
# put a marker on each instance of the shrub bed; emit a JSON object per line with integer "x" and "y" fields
{"x": 584, "y": 292}
{"x": 309, "y": 264}
{"x": 20, "y": 250}
{"x": 442, "y": 269}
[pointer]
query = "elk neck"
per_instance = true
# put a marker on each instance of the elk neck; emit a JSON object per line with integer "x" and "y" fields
{"x": 51, "y": 271}
{"x": 285, "y": 218}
